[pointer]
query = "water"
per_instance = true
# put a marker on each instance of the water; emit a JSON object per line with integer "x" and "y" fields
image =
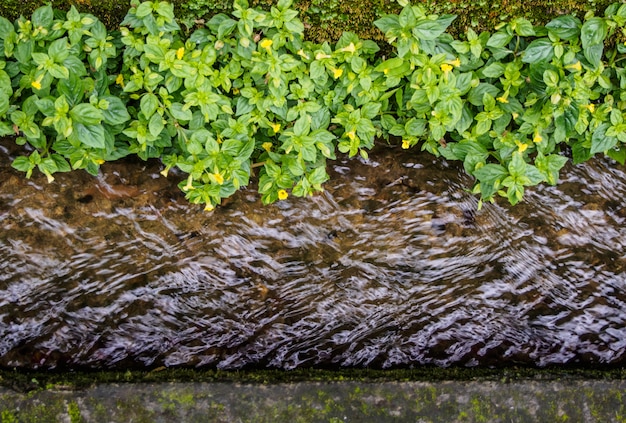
{"x": 391, "y": 266}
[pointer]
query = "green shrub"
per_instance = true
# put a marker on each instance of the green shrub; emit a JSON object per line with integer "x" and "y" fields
{"x": 247, "y": 92}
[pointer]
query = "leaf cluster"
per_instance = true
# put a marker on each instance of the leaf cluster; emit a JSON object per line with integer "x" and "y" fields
{"x": 247, "y": 94}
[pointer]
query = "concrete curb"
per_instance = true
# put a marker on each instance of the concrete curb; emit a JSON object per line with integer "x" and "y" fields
{"x": 447, "y": 401}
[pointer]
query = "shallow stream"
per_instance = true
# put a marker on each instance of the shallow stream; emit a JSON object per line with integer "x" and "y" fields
{"x": 391, "y": 266}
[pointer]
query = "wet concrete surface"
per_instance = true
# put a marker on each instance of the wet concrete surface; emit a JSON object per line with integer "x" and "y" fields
{"x": 564, "y": 400}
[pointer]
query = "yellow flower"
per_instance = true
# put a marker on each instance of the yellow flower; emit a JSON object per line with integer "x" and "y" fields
{"x": 282, "y": 194}
{"x": 351, "y": 135}
{"x": 537, "y": 138}
{"x": 522, "y": 146}
{"x": 98, "y": 161}
{"x": 445, "y": 68}
{"x": 120, "y": 80}
{"x": 50, "y": 178}
{"x": 406, "y": 144}
{"x": 188, "y": 186}
{"x": 165, "y": 171}
{"x": 209, "y": 207}
{"x": 504, "y": 98}
{"x": 36, "y": 84}
{"x": 386, "y": 71}
{"x": 321, "y": 55}
{"x": 349, "y": 49}
{"x": 456, "y": 62}
{"x": 275, "y": 126}
{"x": 180, "y": 52}
{"x": 575, "y": 66}
{"x": 218, "y": 178}
{"x": 302, "y": 54}
{"x": 515, "y": 115}
{"x": 337, "y": 72}
{"x": 267, "y": 146}
{"x": 591, "y": 107}
{"x": 266, "y": 44}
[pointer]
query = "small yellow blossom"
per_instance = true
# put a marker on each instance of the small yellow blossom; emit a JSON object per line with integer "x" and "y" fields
{"x": 351, "y": 135}
{"x": 275, "y": 127}
{"x": 282, "y": 194}
{"x": 575, "y": 66}
{"x": 591, "y": 107}
{"x": 50, "y": 178}
{"x": 266, "y": 44}
{"x": 209, "y": 207}
{"x": 188, "y": 186}
{"x": 267, "y": 146}
{"x": 322, "y": 55}
{"x": 180, "y": 53}
{"x": 120, "y": 80}
{"x": 218, "y": 178}
{"x": 522, "y": 146}
{"x": 164, "y": 172}
{"x": 235, "y": 91}
{"x": 36, "y": 84}
{"x": 99, "y": 161}
{"x": 515, "y": 115}
{"x": 445, "y": 68}
{"x": 349, "y": 49}
{"x": 406, "y": 144}
{"x": 302, "y": 54}
{"x": 456, "y": 62}
{"x": 502, "y": 99}
{"x": 337, "y": 72}
{"x": 537, "y": 138}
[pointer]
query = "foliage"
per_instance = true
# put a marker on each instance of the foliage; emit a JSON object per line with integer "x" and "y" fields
{"x": 246, "y": 92}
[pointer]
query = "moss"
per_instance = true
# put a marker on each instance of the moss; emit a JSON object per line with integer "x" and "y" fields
{"x": 328, "y": 19}
{"x": 7, "y": 417}
{"x": 74, "y": 412}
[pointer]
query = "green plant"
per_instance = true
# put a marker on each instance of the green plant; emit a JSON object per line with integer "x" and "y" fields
{"x": 507, "y": 103}
{"x": 247, "y": 93}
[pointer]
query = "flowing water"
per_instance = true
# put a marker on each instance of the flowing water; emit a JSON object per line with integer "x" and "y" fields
{"x": 391, "y": 266}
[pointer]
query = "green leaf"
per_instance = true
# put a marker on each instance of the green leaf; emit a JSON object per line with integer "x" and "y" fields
{"x": 431, "y": 29}
{"x": 59, "y": 50}
{"x": 491, "y": 173}
{"x": 494, "y": 70}
{"x": 155, "y": 126}
{"x": 499, "y": 39}
{"x": 86, "y": 114}
{"x": 523, "y": 27}
{"x": 180, "y": 113}
{"x": 116, "y": 113}
{"x": 517, "y": 167}
{"x": 593, "y": 54}
{"x": 593, "y": 32}
{"x": 618, "y": 155}
{"x": 23, "y": 164}
{"x": 318, "y": 176}
{"x": 550, "y": 166}
{"x": 476, "y": 94}
{"x": 600, "y": 142}
{"x": 90, "y": 135}
{"x": 388, "y": 23}
{"x": 72, "y": 88}
{"x": 565, "y": 27}
{"x": 43, "y": 17}
{"x": 370, "y": 110}
{"x": 149, "y": 104}
{"x": 540, "y": 50}
{"x": 144, "y": 9}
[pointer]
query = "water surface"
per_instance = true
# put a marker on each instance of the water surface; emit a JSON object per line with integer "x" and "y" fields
{"x": 391, "y": 266}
